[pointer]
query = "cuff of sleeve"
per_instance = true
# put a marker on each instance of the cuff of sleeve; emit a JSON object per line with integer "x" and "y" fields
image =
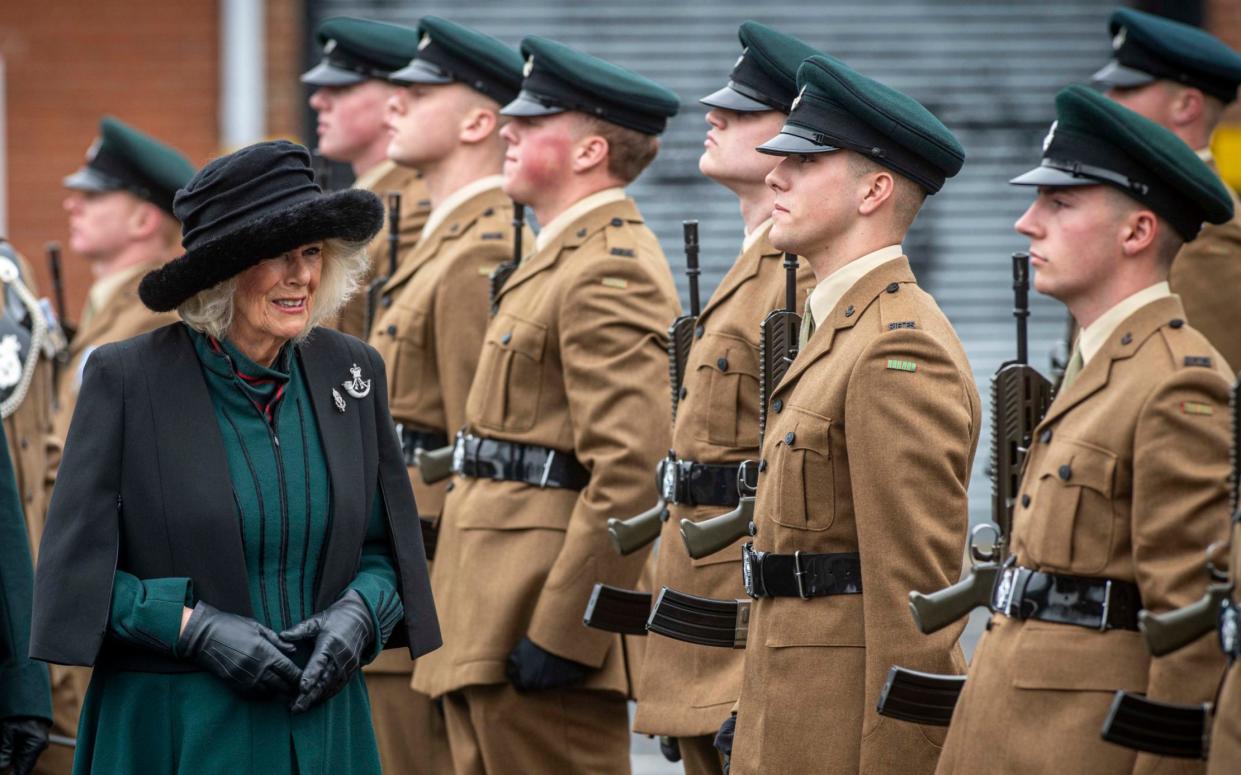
{"x": 386, "y": 610}
{"x": 557, "y": 627}
{"x": 161, "y": 608}
{"x": 26, "y": 691}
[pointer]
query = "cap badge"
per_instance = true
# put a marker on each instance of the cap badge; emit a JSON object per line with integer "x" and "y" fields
{"x": 1051, "y": 135}
{"x": 426, "y": 41}
{"x": 1119, "y": 40}
{"x": 330, "y": 46}
{"x": 797, "y": 101}
{"x": 741, "y": 58}
{"x": 93, "y": 151}
{"x": 528, "y": 68}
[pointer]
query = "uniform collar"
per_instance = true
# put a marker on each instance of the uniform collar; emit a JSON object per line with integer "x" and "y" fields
{"x": 454, "y": 200}
{"x": 105, "y": 288}
{"x": 1093, "y": 337}
{"x": 828, "y": 293}
{"x": 756, "y": 235}
{"x": 368, "y": 179}
{"x": 556, "y": 227}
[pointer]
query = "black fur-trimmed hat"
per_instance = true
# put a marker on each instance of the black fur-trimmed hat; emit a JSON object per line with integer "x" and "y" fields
{"x": 248, "y": 206}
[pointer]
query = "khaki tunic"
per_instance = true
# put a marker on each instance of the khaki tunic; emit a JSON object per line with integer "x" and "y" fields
{"x": 687, "y": 690}
{"x": 869, "y": 445}
{"x": 1226, "y": 730}
{"x": 574, "y": 360}
{"x": 1207, "y": 276}
{"x": 123, "y": 316}
{"x": 415, "y": 207}
{"x": 1142, "y": 435}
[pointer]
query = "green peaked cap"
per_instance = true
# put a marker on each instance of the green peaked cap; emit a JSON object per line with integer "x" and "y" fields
{"x": 839, "y": 107}
{"x": 355, "y": 50}
{"x": 1095, "y": 141}
{"x": 765, "y": 75}
{"x": 125, "y": 159}
{"x": 449, "y": 52}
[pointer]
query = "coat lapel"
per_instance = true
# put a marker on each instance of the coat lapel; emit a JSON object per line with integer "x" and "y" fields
{"x": 745, "y": 269}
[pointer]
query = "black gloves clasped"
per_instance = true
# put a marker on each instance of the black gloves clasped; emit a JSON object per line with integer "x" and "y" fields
{"x": 724, "y": 740}
{"x": 342, "y": 633}
{"x": 530, "y": 668}
{"x": 22, "y": 739}
{"x": 248, "y": 656}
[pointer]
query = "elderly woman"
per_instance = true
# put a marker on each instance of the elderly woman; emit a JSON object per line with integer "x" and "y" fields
{"x": 233, "y": 534}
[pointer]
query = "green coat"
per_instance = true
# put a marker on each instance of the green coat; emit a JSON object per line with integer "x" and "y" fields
{"x": 24, "y": 686}
{"x": 192, "y": 722}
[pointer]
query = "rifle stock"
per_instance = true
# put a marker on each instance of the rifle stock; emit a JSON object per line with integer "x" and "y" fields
{"x": 1168, "y": 632}
{"x": 712, "y": 535}
{"x": 630, "y": 535}
{"x": 935, "y": 611}
{"x": 1164, "y": 729}
{"x": 434, "y": 465}
{"x": 922, "y": 698}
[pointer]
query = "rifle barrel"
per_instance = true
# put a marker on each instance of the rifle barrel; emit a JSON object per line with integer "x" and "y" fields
{"x": 519, "y": 225}
{"x": 1021, "y": 302}
{"x": 790, "y": 282}
{"x": 690, "y": 230}
{"x": 394, "y": 231}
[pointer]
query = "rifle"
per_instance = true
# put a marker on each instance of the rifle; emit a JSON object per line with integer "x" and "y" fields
{"x": 321, "y": 166}
{"x": 1161, "y": 728}
{"x": 700, "y": 620}
{"x": 1170, "y": 631}
{"x": 1019, "y": 399}
{"x": 435, "y": 465}
{"x": 375, "y": 289}
{"x": 58, "y": 287}
{"x": 630, "y": 535}
{"x": 617, "y": 610}
{"x": 777, "y": 349}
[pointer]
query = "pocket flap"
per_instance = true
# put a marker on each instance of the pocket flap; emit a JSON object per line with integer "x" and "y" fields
{"x": 520, "y": 336}
{"x": 1075, "y": 463}
{"x": 729, "y": 355}
{"x": 811, "y": 432}
{"x": 1062, "y": 656}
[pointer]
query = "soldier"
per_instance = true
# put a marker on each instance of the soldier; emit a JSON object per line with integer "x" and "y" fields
{"x": 351, "y": 91}
{"x": 121, "y": 222}
{"x": 433, "y": 312}
{"x": 566, "y": 418}
{"x": 688, "y": 691}
{"x": 866, "y": 460}
{"x": 25, "y": 698}
{"x": 1124, "y": 485}
{"x": 1183, "y": 78}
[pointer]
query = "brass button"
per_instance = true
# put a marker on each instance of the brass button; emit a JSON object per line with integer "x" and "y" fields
{"x": 722, "y": 363}
{"x": 1066, "y": 473}
{"x": 778, "y": 405}
{"x": 508, "y": 337}
{"x": 790, "y": 437}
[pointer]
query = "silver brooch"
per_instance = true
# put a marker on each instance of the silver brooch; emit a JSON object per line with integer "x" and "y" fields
{"x": 357, "y": 387}
{"x": 339, "y": 399}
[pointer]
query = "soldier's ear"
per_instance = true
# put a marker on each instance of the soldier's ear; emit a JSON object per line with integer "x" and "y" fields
{"x": 1140, "y": 231}
{"x": 145, "y": 220}
{"x": 1188, "y": 105}
{"x": 478, "y": 125}
{"x": 590, "y": 152}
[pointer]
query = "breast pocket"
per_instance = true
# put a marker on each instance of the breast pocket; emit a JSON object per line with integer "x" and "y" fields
{"x": 803, "y": 480}
{"x": 1073, "y": 521}
{"x": 413, "y": 364}
{"x": 728, "y": 371}
{"x": 511, "y": 374}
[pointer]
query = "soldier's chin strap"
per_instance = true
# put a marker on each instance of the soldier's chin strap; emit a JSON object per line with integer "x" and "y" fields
{"x": 10, "y": 275}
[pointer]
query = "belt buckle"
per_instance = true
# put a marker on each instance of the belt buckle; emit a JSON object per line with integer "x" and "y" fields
{"x": 668, "y": 479}
{"x": 458, "y": 455}
{"x": 1228, "y": 629}
{"x": 798, "y": 573}
{"x": 1004, "y": 591}
{"x": 1107, "y": 604}
{"x": 547, "y": 468}
{"x": 749, "y": 558}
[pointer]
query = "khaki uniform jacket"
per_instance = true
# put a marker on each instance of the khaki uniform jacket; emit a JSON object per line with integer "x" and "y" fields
{"x": 123, "y": 316}
{"x": 574, "y": 360}
{"x": 415, "y": 207}
{"x": 1226, "y": 731}
{"x": 429, "y": 330}
{"x": 1207, "y": 276}
{"x": 1126, "y": 479}
{"x": 687, "y": 690}
{"x": 869, "y": 445}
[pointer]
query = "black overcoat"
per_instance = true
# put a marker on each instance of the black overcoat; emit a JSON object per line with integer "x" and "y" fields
{"x": 144, "y": 486}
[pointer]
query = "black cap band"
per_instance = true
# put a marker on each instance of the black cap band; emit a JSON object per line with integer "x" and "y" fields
{"x": 560, "y": 95}
{"x": 750, "y": 80}
{"x": 1135, "y": 56}
{"x": 439, "y": 61}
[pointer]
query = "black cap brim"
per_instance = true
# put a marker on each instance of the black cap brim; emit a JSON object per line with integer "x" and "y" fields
{"x": 325, "y": 74}
{"x": 1114, "y": 74}
{"x": 785, "y": 144}
{"x": 419, "y": 71}
{"x": 729, "y": 99}
{"x": 88, "y": 179}
{"x": 1049, "y": 176}
{"x": 527, "y": 105}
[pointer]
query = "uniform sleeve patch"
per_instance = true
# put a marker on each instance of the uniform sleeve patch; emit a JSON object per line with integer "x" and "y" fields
{"x": 1198, "y": 360}
{"x": 902, "y": 324}
{"x": 626, "y": 252}
{"x": 1197, "y": 407}
{"x": 615, "y": 282}
{"x": 486, "y": 269}
{"x": 493, "y": 235}
{"x": 899, "y": 365}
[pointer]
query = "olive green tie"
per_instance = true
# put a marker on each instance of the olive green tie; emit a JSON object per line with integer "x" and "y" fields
{"x": 1074, "y": 368}
{"x": 807, "y": 329}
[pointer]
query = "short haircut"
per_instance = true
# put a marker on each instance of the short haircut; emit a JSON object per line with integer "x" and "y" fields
{"x": 908, "y": 196}
{"x": 345, "y": 264}
{"x": 629, "y": 151}
{"x": 1168, "y": 241}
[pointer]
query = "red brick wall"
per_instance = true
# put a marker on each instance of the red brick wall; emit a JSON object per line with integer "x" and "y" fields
{"x": 152, "y": 63}
{"x": 286, "y": 20}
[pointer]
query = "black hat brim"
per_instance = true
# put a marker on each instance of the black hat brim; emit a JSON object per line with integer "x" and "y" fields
{"x": 87, "y": 179}
{"x": 325, "y": 74}
{"x": 353, "y": 215}
{"x": 785, "y": 144}
{"x": 729, "y": 99}
{"x": 1049, "y": 176}
{"x": 525, "y": 105}
{"x": 1116, "y": 74}
{"x": 419, "y": 71}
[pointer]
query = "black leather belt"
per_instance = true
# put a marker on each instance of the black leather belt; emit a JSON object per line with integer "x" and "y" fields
{"x": 1230, "y": 629}
{"x": 698, "y": 484}
{"x": 800, "y": 574}
{"x": 482, "y": 458}
{"x": 413, "y": 440}
{"x": 1099, "y": 604}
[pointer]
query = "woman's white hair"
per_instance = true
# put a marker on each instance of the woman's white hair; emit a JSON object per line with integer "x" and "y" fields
{"x": 344, "y": 265}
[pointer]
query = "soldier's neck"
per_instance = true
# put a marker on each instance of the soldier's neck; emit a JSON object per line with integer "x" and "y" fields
{"x": 449, "y": 175}
{"x": 1094, "y": 302}
{"x": 554, "y": 201}
{"x": 845, "y": 248}
{"x": 375, "y": 154}
{"x": 756, "y": 204}
{"x": 132, "y": 255}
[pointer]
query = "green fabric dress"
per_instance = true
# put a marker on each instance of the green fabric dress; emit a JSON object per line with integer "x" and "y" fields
{"x": 193, "y": 723}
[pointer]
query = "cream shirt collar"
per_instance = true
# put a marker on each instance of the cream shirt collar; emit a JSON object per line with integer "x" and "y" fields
{"x": 583, "y": 206}
{"x": 457, "y": 198}
{"x": 824, "y": 297}
{"x": 752, "y": 237}
{"x": 103, "y": 289}
{"x": 368, "y": 179}
{"x": 1093, "y": 337}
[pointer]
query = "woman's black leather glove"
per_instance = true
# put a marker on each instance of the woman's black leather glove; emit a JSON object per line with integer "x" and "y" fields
{"x": 22, "y": 739}
{"x": 247, "y": 655}
{"x": 530, "y": 668}
{"x": 724, "y": 740}
{"x": 342, "y": 632}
